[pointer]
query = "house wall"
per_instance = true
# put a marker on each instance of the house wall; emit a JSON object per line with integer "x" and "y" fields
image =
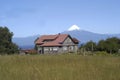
{"x": 69, "y": 45}
{"x": 51, "y": 50}
{"x": 63, "y": 49}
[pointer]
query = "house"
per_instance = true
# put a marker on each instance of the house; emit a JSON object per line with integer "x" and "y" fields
{"x": 28, "y": 51}
{"x": 60, "y": 43}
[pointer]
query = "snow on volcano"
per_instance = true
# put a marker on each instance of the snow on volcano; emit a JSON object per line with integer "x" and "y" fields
{"x": 74, "y": 27}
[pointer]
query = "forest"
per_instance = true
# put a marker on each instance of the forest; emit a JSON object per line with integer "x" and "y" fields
{"x": 110, "y": 46}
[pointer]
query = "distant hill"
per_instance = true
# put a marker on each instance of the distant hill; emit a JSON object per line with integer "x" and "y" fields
{"x": 85, "y": 36}
{"x": 25, "y": 42}
{"x": 82, "y": 35}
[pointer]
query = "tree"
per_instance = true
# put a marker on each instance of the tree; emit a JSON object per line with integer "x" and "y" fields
{"x": 101, "y": 45}
{"x": 6, "y": 44}
{"x": 90, "y": 46}
{"x": 110, "y": 45}
{"x": 113, "y": 45}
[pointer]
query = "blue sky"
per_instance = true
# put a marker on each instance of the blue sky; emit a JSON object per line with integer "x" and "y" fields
{"x": 31, "y": 17}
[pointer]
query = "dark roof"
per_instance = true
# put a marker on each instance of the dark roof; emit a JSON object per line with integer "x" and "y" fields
{"x": 53, "y": 40}
{"x": 75, "y": 41}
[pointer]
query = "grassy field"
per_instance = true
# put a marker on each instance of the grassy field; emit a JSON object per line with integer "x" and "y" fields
{"x": 59, "y": 67}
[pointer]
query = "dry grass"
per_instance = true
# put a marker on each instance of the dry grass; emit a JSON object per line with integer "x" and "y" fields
{"x": 59, "y": 67}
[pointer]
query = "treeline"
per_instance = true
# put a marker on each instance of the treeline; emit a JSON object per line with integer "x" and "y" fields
{"x": 110, "y": 45}
{"x": 6, "y": 44}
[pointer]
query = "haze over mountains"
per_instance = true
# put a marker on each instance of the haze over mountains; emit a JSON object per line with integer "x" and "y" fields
{"x": 82, "y": 35}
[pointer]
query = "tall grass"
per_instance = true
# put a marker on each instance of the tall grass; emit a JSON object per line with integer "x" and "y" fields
{"x": 59, "y": 67}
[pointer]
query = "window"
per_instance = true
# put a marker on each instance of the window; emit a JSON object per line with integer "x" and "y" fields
{"x": 55, "y": 48}
{"x": 48, "y": 40}
{"x": 46, "y": 49}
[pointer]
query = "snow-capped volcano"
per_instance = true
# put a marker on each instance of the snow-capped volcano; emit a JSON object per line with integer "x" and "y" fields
{"x": 74, "y": 27}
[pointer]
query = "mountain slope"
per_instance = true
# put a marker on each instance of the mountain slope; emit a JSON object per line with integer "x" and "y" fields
{"x": 25, "y": 42}
{"x": 85, "y": 36}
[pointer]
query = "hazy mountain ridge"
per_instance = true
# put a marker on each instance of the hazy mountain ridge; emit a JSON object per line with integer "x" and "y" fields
{"x": 85, "y": 36}
{"x": 25, "y": 42}
{"x": 82, "y": 35}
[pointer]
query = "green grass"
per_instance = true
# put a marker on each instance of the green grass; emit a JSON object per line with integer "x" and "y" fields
{"x": 59, "y": 67}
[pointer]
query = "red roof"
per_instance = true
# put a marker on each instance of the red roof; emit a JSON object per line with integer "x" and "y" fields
{"x": 52, "y": 40}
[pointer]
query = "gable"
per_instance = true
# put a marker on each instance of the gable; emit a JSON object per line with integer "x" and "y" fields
{"x": 68, "y": 41}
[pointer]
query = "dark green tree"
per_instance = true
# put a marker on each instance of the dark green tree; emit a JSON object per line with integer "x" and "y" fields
{"x": 110, "y": 45}
{"x": 6, "y": 44}
{"x": 90, "y": 46}
{"x": 101, "y": 46}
